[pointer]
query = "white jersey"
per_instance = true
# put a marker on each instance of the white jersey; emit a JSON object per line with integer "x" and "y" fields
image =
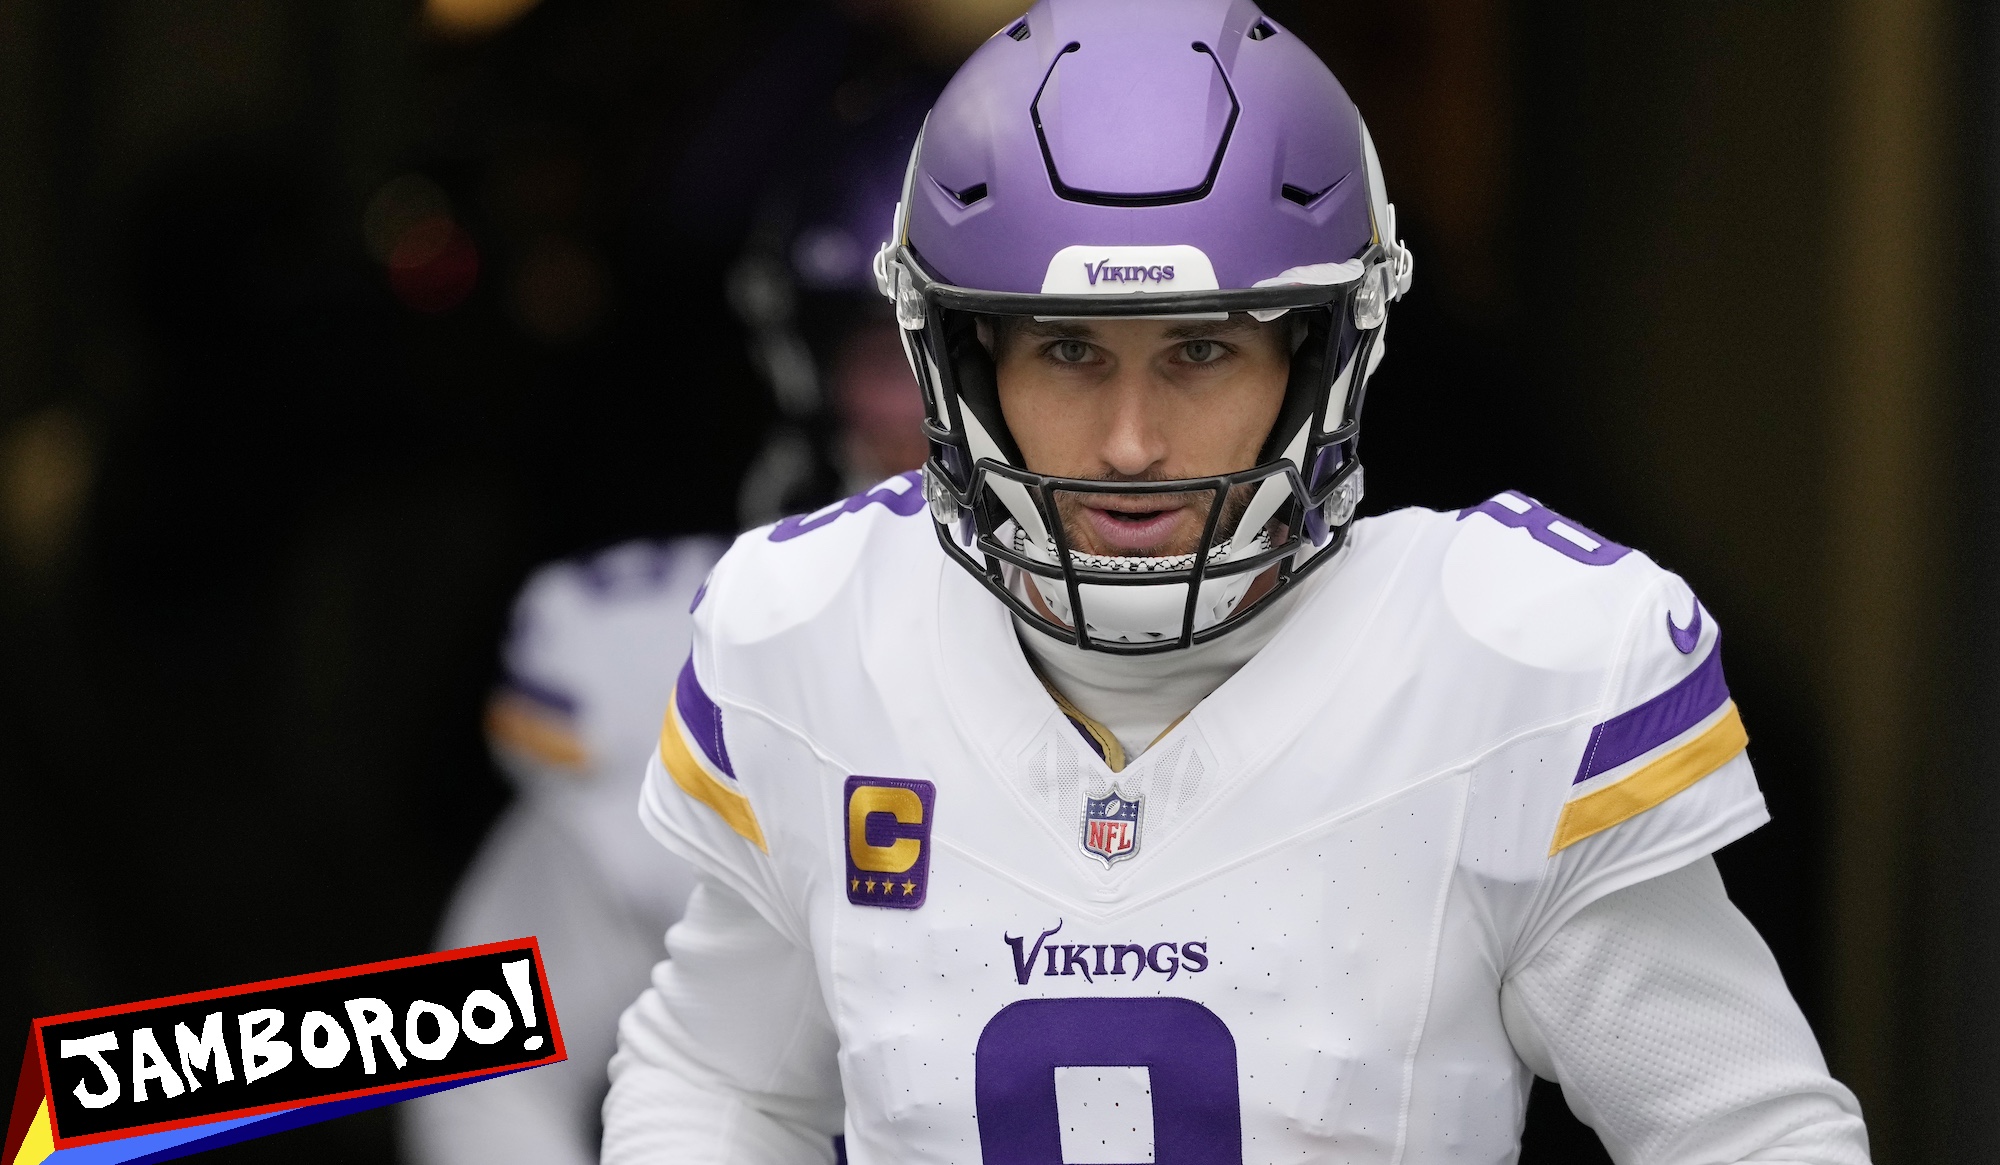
{"x": 590, "y": 661}
{"x": 1281, "y": 933}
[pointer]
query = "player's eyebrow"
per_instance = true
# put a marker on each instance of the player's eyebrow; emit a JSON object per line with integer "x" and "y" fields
{"x": 1210, "y": 329}
{"x": 1056, "y": 329}
{"x": 1076, "y": 329}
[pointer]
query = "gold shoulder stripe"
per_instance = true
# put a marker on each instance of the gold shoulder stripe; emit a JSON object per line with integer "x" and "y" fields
{"x": 1648, "y": 786}
{"x": 697, "y": 782}
{"x": 519, "y": 726}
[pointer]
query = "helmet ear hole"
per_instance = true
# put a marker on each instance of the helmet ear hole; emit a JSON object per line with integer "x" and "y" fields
{"x": 1296, "y": 324}
{"x": 1313, "y": 338}
{"x": 973, "y": 376}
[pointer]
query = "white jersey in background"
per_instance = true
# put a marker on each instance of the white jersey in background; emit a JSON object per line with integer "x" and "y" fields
{"x": 1449, "y": 829}
{"x": 590, "y": 662}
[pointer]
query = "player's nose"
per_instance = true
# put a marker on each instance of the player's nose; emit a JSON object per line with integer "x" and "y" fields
{"x": 1134, "y": 437}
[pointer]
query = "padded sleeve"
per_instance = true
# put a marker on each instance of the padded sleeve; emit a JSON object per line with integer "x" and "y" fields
{"x": 729, "y": 1057}
{"x": 694, "y": 802}
{"x": 1662, "y": 1014}
{"x": 1663, "y": 777}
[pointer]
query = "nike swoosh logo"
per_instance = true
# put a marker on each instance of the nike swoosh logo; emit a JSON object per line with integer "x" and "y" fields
{"x": 1685, "y": 637}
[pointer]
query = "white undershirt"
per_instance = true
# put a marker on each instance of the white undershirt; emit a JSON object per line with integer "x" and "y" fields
{"x": 1138, "y": 697}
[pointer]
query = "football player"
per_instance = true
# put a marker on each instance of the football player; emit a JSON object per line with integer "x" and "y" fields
{"x": 1107, "y": 793}
{"x": 849, "y": 414}
{"x": 571, "y": 725}
{"x": 596, "y": 643}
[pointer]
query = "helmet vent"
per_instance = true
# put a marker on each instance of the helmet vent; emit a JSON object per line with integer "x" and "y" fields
{"x": 1301, "y": 195}
{"x": 1258, "y": 31}
{"x": 1115, "y": 135}
{"x": 971, "y": 194}
{"x": 1020, "y": 30}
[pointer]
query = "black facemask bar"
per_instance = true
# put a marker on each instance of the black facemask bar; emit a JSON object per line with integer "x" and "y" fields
{"x": 956, "y": 373}
{"x": 980, "y": 544}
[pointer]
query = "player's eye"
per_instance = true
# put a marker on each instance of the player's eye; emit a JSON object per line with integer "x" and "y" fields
{"x": 1202, "y": 351}
{"x": 1069, "y": 351}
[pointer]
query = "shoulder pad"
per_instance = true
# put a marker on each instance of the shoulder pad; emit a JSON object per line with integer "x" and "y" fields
{"x": 590, "y": 656}
{"x": 1540, "y": 589}
{"x": 779, "y": 576}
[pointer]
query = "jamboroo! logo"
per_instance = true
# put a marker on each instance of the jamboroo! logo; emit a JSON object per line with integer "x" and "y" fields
{"x": 1102, "y": 270}
{"x": 167, "y": 1077}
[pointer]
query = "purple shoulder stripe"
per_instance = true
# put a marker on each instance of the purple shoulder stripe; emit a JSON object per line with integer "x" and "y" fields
{"x": 541, "y": 693}
{"x": 1644, "y": 728}
{"x": 702, "y": 718}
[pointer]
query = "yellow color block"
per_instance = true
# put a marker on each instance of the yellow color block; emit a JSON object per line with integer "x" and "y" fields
{"x": 40, "y": 1142}
{"x": 696, "y": 781}
{"x": 1652, "y": 784}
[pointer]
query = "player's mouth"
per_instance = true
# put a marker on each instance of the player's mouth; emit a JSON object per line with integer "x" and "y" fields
{"x": 1142, "y": 525}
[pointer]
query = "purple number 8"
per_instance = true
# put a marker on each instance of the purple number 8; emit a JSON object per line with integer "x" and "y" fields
{"x": 1570, "y": 539}
{"x": 1186, "y": 1048}
{"x": 909, "y": 500}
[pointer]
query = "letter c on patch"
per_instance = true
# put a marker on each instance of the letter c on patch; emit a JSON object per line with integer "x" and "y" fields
{"x": 903, "y": 805}
{"x": 888, "y": 826}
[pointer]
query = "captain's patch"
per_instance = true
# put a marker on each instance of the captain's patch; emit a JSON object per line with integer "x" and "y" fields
{"x": 889, "y": 841}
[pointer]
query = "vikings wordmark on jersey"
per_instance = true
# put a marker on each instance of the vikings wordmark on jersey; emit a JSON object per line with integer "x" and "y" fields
{"x": 1474, "y": 724}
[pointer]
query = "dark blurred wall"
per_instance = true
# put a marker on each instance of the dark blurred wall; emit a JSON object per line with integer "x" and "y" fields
{"x": 1740, "y": 224}
{"x": 1693, "y": 274}
{"x": 1970, "y": 836}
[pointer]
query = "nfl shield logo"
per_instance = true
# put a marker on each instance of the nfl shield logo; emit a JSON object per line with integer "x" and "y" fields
{"x": 1111, "y": 826}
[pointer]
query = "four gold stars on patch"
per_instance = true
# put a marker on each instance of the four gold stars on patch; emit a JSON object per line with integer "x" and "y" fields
{"x": 888, "y": 887}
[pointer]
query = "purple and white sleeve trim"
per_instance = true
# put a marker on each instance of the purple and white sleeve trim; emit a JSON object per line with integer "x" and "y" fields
{"x": 702, "y": 719}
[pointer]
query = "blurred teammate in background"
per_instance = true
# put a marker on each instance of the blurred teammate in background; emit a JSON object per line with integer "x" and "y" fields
{"x": 596, "y": 643}
{"x": 820, "y": 332}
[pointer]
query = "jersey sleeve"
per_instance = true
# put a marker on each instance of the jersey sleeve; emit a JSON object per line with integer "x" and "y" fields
{"x": 729, "y": 1057}
{"x": 695, "y": 803}
{"x": 1666, "y": 1021}
{"x": 1664, "y": 776}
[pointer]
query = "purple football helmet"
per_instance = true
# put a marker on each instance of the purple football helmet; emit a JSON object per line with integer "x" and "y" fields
{"x": 1143, "y": 158}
